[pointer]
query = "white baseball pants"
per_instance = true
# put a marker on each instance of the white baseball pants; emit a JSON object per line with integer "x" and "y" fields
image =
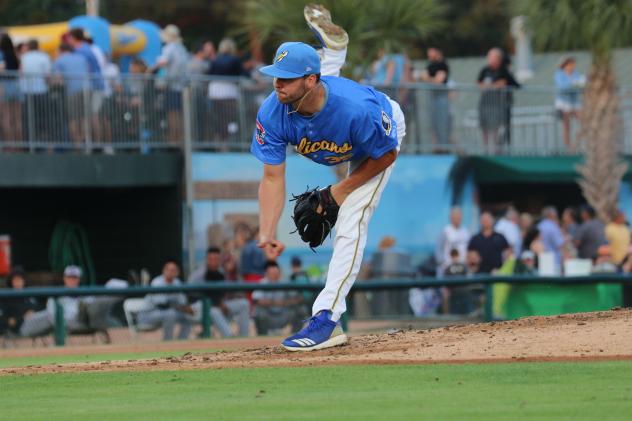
{"x": 353, "y": 218}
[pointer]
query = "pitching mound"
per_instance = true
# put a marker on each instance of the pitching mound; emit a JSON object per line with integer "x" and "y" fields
{"x": 582, "y": 336}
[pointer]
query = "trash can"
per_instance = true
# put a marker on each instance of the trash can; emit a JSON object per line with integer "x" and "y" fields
{"x": 5, "y": 255}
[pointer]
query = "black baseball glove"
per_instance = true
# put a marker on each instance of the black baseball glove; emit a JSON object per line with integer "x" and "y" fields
{"x": 315, "y": 214}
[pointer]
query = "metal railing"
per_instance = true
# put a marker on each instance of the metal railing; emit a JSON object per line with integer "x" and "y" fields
{"x": 203, "y": 290}
{"x": 139, "y": 112}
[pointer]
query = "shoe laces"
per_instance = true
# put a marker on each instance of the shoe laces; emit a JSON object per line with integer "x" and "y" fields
{"x": 315, "y": 324}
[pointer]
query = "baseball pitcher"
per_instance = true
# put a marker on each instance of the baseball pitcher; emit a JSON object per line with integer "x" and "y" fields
{"x": 330, "y": 120}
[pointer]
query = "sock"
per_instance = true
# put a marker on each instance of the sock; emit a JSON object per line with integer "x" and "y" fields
{"x": 329, "y": 313}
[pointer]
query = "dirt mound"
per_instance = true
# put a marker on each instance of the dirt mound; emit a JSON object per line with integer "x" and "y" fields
{"x": 590, "y": 336}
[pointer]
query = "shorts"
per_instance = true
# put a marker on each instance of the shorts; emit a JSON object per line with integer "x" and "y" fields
{"x": 10, "y": 91}
{"x": 96, "y": 102}
{"x": 75, "y": 105}
{"x": 567, "y": 106}
{"x": 490, "y": 117}
{"x": 173, "y": 100}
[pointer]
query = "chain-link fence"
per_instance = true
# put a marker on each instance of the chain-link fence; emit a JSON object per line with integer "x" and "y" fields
{"x": 139, "y": 112}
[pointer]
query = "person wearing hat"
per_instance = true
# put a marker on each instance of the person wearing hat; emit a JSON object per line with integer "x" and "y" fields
{"x": 174, "y": 59}
{"x": 330, "y": 120}
{"x": 43, "y": 321}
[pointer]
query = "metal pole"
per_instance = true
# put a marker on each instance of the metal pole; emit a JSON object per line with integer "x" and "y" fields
{"x": 206, "y": 317}
{"x": 60, "y": 324}
{"x": 489, "y": 302}
{"x": 188, "y": 177}
{"x": 92, "y": 7}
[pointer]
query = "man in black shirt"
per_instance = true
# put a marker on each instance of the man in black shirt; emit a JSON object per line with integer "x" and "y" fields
{"x": 489, "y": 244}
{"x": 494, "y": 109}
{"x": 224, "y": 306}
{"x": 437, "y": 73}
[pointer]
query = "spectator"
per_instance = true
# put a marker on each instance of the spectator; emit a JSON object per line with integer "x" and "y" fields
{"x": 42, "y": 322}
{"x": 253, "y": 259}
{"x": 202, "y": 58}
{"x": 533, "y": 242}
{"x": 551, "y": 233}
{"x": 110, "y": 72}
{"x": 568, "y": 84}
{"x": 389, "y": 72}
{"x": 140, "y": 94}
{"x": 509, "y": 227}
{"x": 526, "y": 265}
{"x": 16, "y": 310}
{"x": 618, "y": 236}
{"x": 526, "y": 223}
{"x": 174, "y": 60}
{"x": 199, "y": 65}
{"x": 229, "y": 260}
{"x": 496, "y": 100}
{"x": 626, "y": 267}
{"x": 225, "y": 306}
{"x": 473, "y": 262}
{"x": 603, "y": 261}
{"x": 437, "y": 74}
{"x": 74, "y": 73}
{"x": 77, "y": 40}
{"x": 456, "y": 267}
{"x": 489, "y": 244}
{"x": 590, "y": 234}
{"x": 224, "y": 94}
{"x": 569, "y": 222}
{"x": 276, "y": 309}
{"x": 453, "y": 236}
{"x": 10, "y": 110}
{"x": 35, "y": 67}
{"x": 299, "y": 276}
{"x": 460, "y": 299}
{"x": 168, "y": 309}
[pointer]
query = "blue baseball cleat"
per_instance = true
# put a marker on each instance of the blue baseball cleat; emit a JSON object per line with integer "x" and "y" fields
{"x": 319, "y": 333}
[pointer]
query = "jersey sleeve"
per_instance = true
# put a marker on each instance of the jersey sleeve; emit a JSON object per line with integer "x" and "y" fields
{"x": 267, "y": 145}
{"x": 375, "y": 133}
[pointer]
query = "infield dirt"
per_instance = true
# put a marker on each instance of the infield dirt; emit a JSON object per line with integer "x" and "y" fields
{"x": 583, "y": 336}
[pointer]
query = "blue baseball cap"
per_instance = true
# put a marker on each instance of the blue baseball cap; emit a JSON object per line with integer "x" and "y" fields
{"x": 292, "y": 60}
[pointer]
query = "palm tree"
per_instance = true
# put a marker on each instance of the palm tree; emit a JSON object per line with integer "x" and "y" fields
{"x": 371, "y": 24}
{"x": 600, "y": 26}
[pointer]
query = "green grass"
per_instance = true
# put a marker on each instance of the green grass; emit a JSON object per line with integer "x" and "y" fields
{"x": 598, "y": 390}
{"x": 111, "y": 356}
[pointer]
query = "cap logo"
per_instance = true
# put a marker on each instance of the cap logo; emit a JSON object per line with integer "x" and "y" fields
{"x": 281, "y": 56}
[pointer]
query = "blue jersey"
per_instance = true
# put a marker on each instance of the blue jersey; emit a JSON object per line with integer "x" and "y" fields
{"x": 356, "y": 122}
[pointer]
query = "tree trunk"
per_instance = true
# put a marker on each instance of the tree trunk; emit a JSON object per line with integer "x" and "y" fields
{"x": 601, "y": 130}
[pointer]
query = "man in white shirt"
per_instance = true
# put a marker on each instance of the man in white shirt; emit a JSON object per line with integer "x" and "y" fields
{"x": 168, "y": 309}
{"x": 509, "y": 227}
{"x": 174, "y": 59}
{"x": 35, "y": 66}
{"x": 453, "y": 236}
{"x": 43, "y": 321}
